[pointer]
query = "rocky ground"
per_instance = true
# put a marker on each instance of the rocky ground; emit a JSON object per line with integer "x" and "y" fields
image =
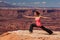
{"x": 25, "y": 35}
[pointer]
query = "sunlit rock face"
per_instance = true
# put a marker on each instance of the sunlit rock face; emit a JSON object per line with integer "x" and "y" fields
{"x": 25, "y": 35}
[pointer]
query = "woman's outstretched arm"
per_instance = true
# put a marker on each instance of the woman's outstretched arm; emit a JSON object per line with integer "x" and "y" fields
{"x": 28, "y": 16}
{"x": 44, "y": 17}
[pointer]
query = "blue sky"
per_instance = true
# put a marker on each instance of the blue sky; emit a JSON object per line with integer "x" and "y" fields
{"x": 34, "y": 3}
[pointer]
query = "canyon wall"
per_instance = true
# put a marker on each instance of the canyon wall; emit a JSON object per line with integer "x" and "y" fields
{"x": 13, "y": 19}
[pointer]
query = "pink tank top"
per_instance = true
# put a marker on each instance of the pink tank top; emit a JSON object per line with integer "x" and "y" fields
{"x": 38, "y": 22}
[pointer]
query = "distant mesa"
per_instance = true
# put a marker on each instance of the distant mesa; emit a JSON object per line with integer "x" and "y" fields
{"x": 3, "y": 4}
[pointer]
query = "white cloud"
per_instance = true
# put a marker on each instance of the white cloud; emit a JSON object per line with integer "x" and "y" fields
{"x": 23, "y": 3}
{"x": 36, "y": 2}
{"x": 43, "y": 2}
{"x": 5, "y": 1}
{"x": 58, "y": 3}
{"x": 18, "y": 3}
{"x": 30, "y": 3}
{"x": 14, "y": 3}
{"x": 0, "y": 1}
{"x": 27, "y": 3}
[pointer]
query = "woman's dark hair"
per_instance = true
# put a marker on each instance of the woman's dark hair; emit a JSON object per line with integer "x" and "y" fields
{"x": 37, "y": 13}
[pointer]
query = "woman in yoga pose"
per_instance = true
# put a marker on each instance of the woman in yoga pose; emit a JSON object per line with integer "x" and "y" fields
{"x": 37, "y": 23}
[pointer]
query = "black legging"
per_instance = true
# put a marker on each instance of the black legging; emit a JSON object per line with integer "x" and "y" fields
{"x": 34, "y": 25}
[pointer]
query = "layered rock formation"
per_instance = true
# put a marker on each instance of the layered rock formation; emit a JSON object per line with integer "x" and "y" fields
{"x": 12, "y": 19}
